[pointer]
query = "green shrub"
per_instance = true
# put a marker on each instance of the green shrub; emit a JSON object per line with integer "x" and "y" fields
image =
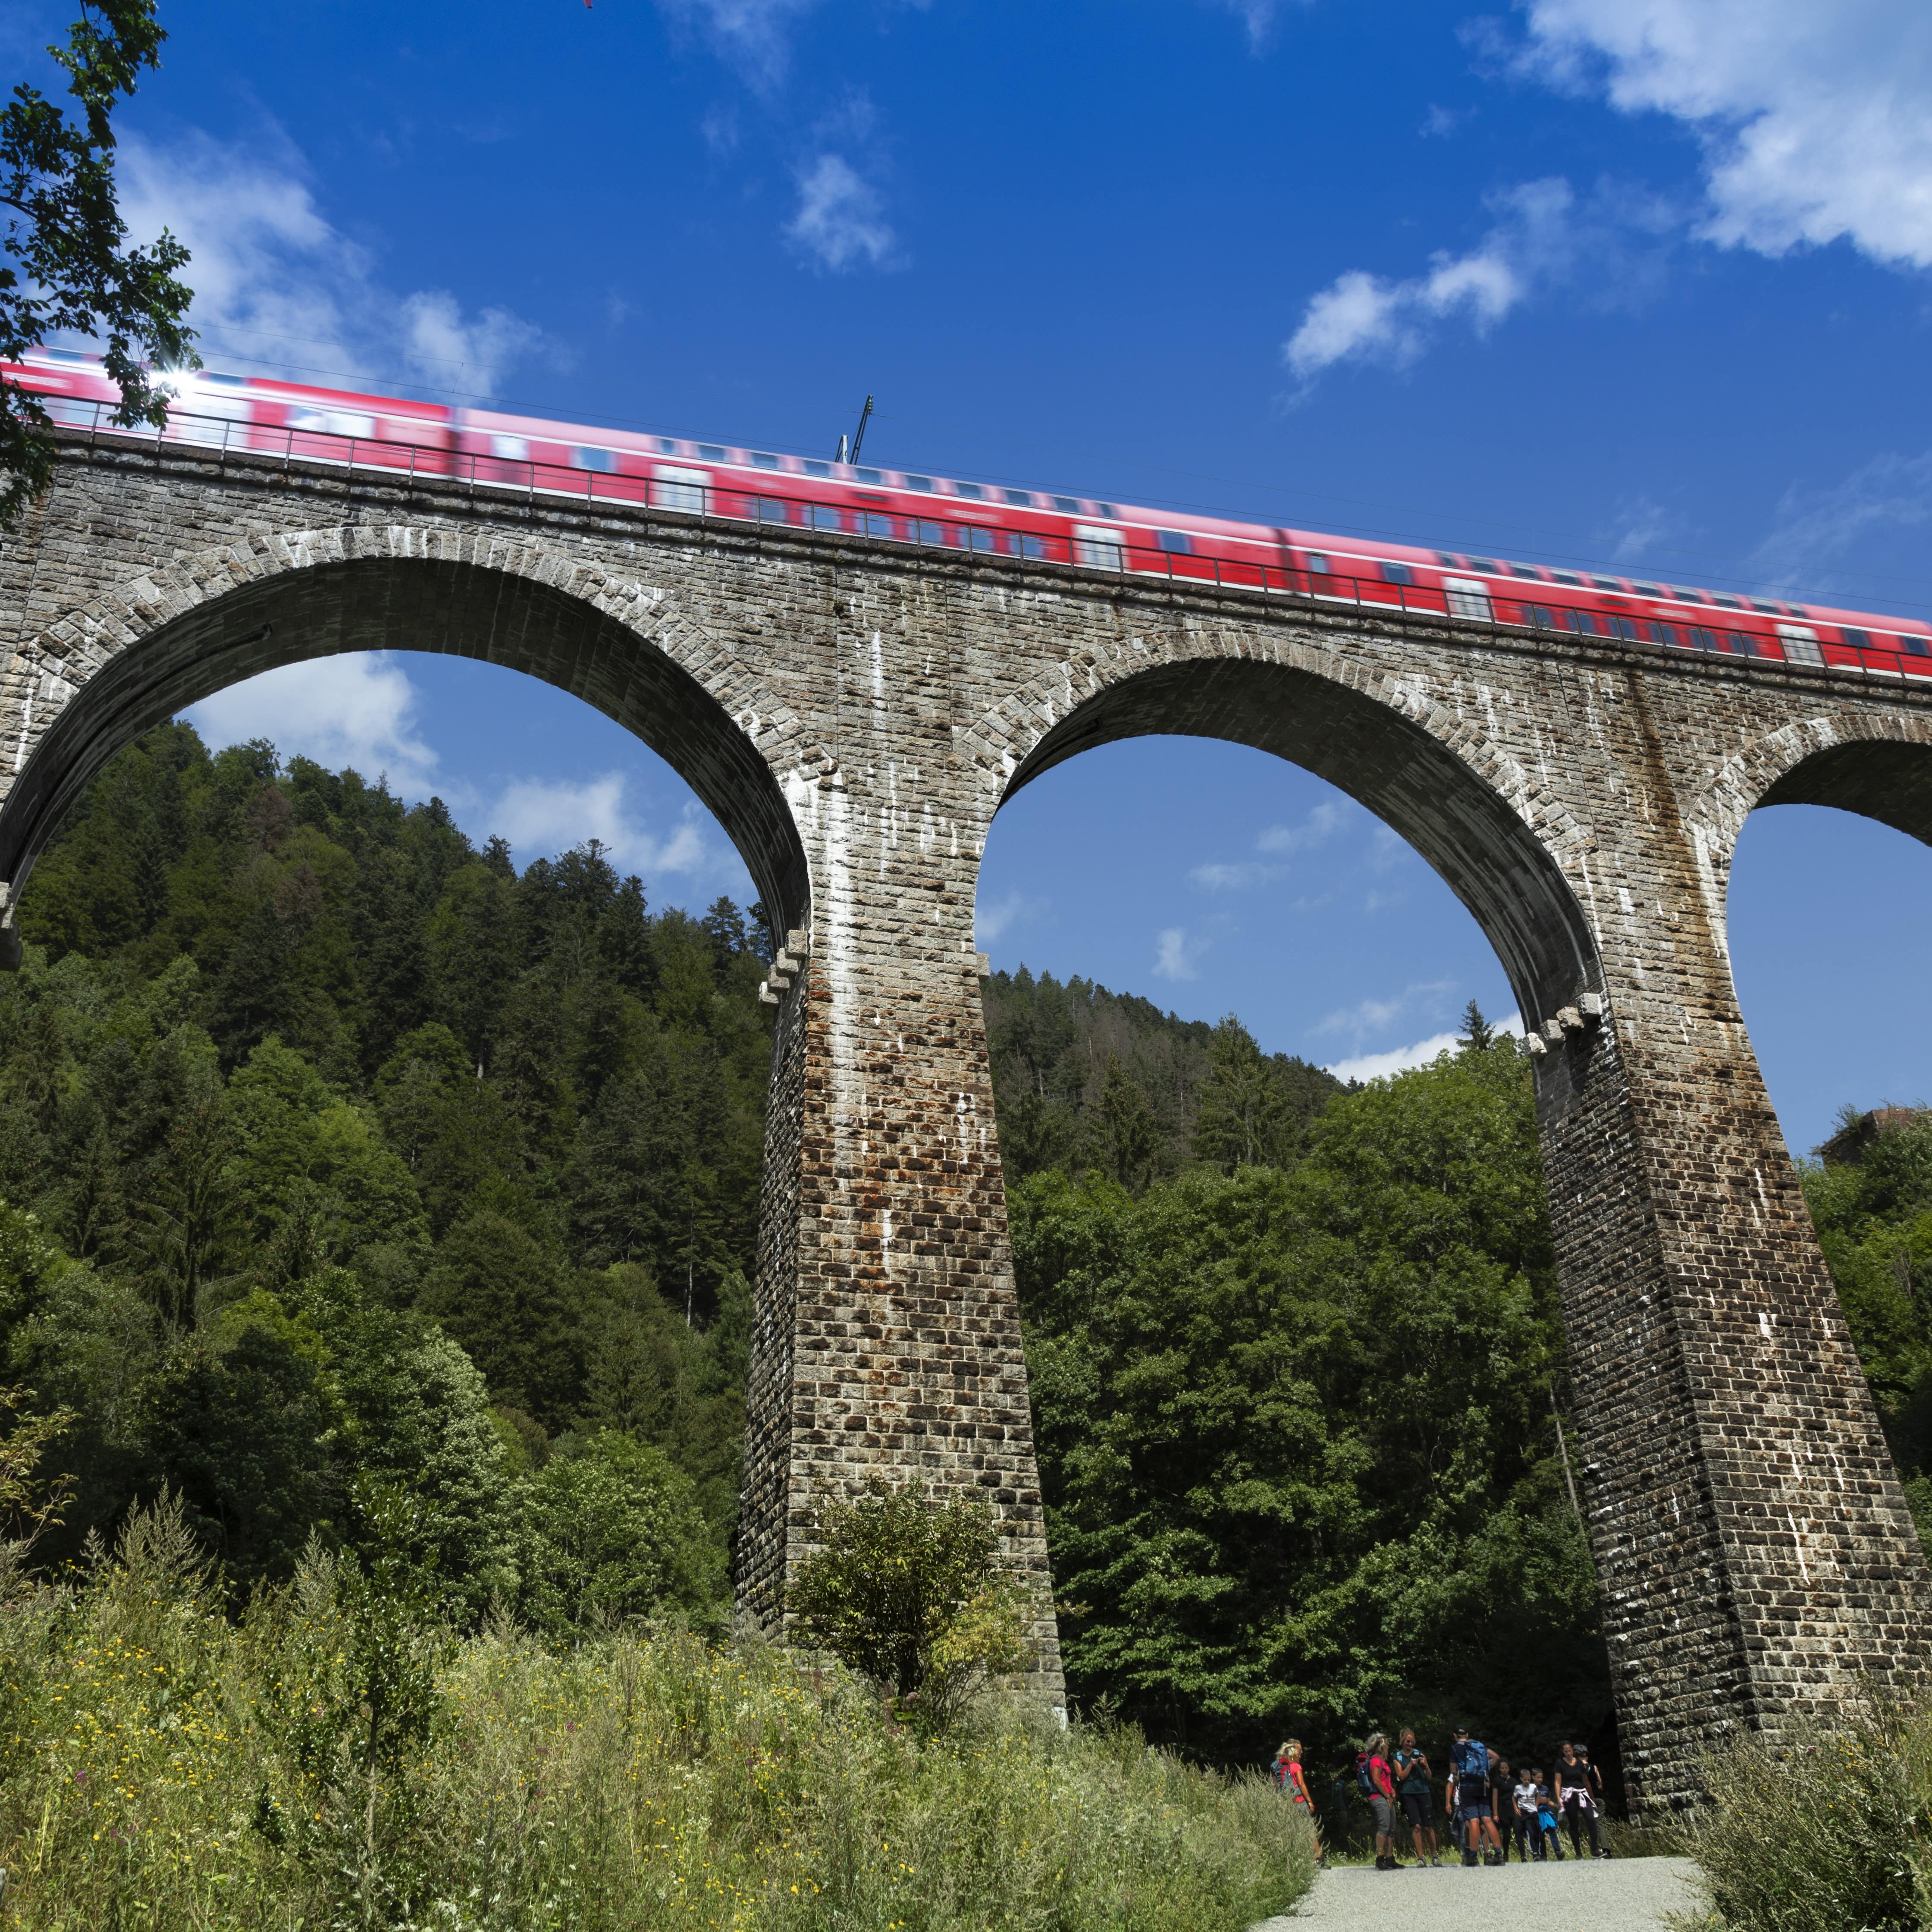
{"x": 1825, "y": 1830}
{"x": 163, "y": 1766}
{"x": 910, "y": 1592}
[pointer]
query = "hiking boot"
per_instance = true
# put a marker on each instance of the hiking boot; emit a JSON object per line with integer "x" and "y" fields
{"x": 1468, "y": 1856}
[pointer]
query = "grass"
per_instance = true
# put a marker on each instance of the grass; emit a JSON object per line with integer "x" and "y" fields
{"x": 1823, "y": 1830}
{"x": 161, "y": 1765}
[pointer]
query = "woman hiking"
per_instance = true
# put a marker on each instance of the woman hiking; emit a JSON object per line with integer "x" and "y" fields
{"x": 1290, "y": 1776}
{"x": 1411, "y": 1784}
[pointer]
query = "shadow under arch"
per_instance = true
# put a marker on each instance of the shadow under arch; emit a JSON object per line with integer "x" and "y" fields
{"x": 499, "y": 616}
{"x": 1461, "y": 823}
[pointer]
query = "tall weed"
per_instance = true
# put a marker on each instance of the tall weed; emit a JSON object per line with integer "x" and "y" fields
{"x": 154, "y": 1771}
{"x": 1823, "y": 1830}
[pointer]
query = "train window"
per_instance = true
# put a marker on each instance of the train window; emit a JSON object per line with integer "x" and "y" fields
{"x": 1859, "y": 641}
{"x": 825, "y": 516}
{"x": 918, "y": 530}
{"x": 1647, "y": 589}
{"x": 1539, "y": 616}
{"x": 604, "y": 460}
{"x": 1800, "y": 644}
{"x": 511, "y": 448}
{"x": 1442, "y": 557}
{"x": 919, "y": 483}
{"x": 1566, "y": 577}
{"x": 1105, "y": 510}
{"x": 1397, "y": 573}
{"x": 1031, "y": 545}
{"x": 872, "y": 524}
{"x": 1068, "y": 506}
{"x": 1607, "y": 583}
{"x": 1021, "y": 499}
{"x": 1178, "y": 542}
{"x": 762, "y": 460}
{"x": 1482, "y": 563}
{"x": 681, "y": 490}
{"x": 1769, "y": 610}
{"x": 1529, "y": 571}
{"x": 812, "y": 468}
{"x": 667, "y": 446}
{"x": 970, "y": 536}
{"x": 1701, "y": 639}
{"x": 1729, "y": 603}
{"x": 1098, "y": 549}
{"x": 1667, "y": 633}
{"x": 1739, "y": 644}
{"x": 969, "y": 490}
{"x": 1917, "y": 647}
{"x": 1317, "y": 563}
{"x": 1467, "y": 597}
{"x": 1621, "y": 627}
{"x": 870, "y": 475}
{"x": 712, "y": 452}
{"x": 1582, "y": 622}
{"x": 770, "y": 509}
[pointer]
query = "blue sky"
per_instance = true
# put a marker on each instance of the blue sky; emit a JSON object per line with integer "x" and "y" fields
{"x": 1639, "y": 282}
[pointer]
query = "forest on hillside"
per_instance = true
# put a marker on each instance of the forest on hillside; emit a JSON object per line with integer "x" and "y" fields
{"x": 336, "y": 1151}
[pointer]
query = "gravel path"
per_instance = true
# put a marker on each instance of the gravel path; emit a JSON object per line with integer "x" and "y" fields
{"x": 1579, "y": 1895}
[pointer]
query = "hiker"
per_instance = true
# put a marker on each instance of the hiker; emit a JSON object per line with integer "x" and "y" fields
{"x": 1576, "y": 1802}
{"x": 1411, "y": 1773}
{"x": 1472, "y": 1761}
{"x": 1375, "y": 1778}
{"x": 1502, "y": 1789}
{"x": 1548, "y": 1840}
{"x": 1523, "y": 1796}
{"x": 1290, "y": 1777}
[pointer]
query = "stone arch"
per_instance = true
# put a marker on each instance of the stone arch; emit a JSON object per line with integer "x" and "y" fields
{"x": 1877, "y": 764}
{"x": 131, "y": 657}
{"x": 1436, "y": 778}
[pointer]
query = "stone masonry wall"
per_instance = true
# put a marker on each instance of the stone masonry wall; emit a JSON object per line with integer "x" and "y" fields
{"x": 856, "y": 712}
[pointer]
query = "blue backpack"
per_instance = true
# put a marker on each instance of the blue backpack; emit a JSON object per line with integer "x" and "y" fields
{"x": 1471, "y": 1759}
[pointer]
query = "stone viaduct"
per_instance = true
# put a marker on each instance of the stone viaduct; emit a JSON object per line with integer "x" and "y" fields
{"x": 855, "y": 712}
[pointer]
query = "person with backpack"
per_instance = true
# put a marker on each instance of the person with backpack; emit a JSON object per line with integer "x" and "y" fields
{"x": 1411, "y": 1772}
{"x": 1375, "y": 1778}
{"x": 1290, "y": 1779}
{"x": 1471, "y": 1759}
{"x": 1577, "y": 1801}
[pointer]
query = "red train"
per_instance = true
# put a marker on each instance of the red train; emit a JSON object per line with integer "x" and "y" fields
{"x": 258, "y": 413}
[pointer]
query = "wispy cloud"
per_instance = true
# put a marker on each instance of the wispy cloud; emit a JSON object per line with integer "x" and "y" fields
{"x": 752, "y": 37}
{"x": 1641, "y": 524}
{"x": 359, "y": 709}
{"x": 1815, "y": 529}
{"x": 1258, "y": 16}
{"x": 1417, "y": 1053}
{"x": 278, "y": 287}
{"x": 1368, "y": 1017}
{"x": 992, "y": 923}
{"x": 544, "y": 815}
{"x": 1815, "y": 121}
{"x": 841, "y": 222}
{"x": 1320, "y": 826}
{"x": 1177, "y": 954}
{"x": 1362, "y": 317}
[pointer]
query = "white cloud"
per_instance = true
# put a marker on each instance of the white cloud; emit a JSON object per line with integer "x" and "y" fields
{"x": 542, "y": 815}
{"x": 1258, "y": 16}
{"x": 1362, "y": 317}
{"x": 357, "y": 709}
{"x": 839, "y": 217}
{"x": 1397, "y": 1060}
{"x": 1419, "y": 1053}
{"x": 1241, "y": 876}
{"x": 1176, "y": 955}
{"x": 278, "y": 287}
{"x": 1317, "y": 829}
{"x": 1373, "y": 1016}
{"x": 1439, "y": 123}
{"x": 1642, "y": 523}
{"x": 1815, "y": 119}
{"x": 1816, "y": 528}
{"x": 753, "y": 36}
{"x": 445, "y": 350}
{"x": 992, "y": 923}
